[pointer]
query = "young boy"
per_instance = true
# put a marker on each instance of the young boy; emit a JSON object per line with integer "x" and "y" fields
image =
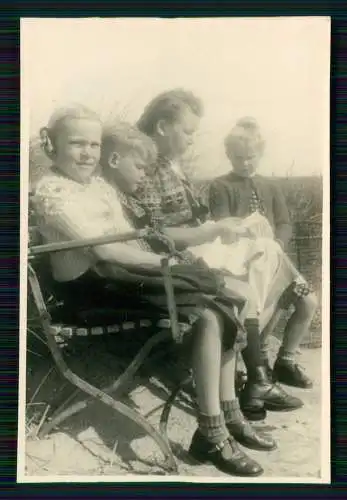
{"x": 242, "y": 192}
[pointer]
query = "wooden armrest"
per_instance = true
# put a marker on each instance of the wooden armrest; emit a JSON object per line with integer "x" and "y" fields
{"x": 90, "y": 242}
{"x": 148, "y": 233}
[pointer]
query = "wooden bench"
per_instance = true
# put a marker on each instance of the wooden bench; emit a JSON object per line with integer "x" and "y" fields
{"x": 58, "y": 333}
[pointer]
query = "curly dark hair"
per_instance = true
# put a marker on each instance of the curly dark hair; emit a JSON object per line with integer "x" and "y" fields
{"x": 168, "y": 106}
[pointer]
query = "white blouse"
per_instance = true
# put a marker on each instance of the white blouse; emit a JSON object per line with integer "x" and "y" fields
{"x": 67, "y": 210}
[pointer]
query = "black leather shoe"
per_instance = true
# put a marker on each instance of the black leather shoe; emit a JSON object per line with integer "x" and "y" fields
{"x": 244, "y": 433}
{"x": 277, "y": 399}
{"x": 261, "y": 390}
{"x": 290, "y": 373}
{"x": 227, "y": 457}
{"x": 254, "y": 411}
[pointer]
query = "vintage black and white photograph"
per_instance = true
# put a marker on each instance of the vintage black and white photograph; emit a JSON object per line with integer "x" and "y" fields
{"x": 175, "y": 250}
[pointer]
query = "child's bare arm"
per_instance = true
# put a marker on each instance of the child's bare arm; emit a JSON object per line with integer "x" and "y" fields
{"x": 193, "y": 236}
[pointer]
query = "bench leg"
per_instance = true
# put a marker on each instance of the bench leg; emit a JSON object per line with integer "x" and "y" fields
{"x": 165, "y": 414}
{"x": 117, "y": 385}
{"x": 104, "y": 396}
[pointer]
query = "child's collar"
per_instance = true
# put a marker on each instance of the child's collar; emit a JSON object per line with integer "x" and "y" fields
{"x": 235, "y": 174}
{"x": 130, "y": 202}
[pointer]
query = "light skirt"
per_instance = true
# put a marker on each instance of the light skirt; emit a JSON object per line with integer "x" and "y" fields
{"x": 256, "y": 269}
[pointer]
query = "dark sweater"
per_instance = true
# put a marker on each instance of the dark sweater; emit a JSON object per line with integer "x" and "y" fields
{"x": 230, "y": 194}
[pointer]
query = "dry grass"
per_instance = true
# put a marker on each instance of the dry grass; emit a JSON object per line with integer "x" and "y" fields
{"x": 304, "y": 196}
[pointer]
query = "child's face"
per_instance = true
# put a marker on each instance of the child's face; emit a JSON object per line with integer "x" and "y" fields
{"x": 130, "y": 171}
{"x": 245, "y": 165}
{"x": 177, "y": 137}
{"x": 77, "y": 148}
{"x": 245, "y": 160}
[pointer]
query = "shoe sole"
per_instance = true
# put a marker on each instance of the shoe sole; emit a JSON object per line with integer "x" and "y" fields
{"x": 283, "y": 382}
{"x": 255, "y": 447}
{"x": 254, "y": 416}
{"x": 201, "y": 461}
{"x": 279, "y": 408}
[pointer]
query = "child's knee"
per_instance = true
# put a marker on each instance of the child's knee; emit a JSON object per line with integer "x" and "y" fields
{"x": 210, "y": 318}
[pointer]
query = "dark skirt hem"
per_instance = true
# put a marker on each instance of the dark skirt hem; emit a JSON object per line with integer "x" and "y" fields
{"x": 93, "y": 291}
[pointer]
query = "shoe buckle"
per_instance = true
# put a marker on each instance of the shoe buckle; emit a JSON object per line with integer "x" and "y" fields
{"x": 217, "y": 447}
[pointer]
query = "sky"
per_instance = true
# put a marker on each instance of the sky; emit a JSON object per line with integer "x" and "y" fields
{"x": 274, "y": 69}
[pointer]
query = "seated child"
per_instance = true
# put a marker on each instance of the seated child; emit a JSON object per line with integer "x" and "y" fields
{"x": 243, "y": 192}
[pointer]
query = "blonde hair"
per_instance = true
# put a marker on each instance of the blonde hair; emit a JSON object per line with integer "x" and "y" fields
{"x": 244, "y": 136}
{"x": 49, "y": 133}
{"x": 122, "y": 138}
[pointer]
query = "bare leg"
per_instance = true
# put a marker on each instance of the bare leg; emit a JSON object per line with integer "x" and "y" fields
{"x": 227, "y": 376}
{"x": 286, "y": 370}
{"x": 296, "y": 329}
{"x": 212, "y": 440}
{"x": 286, "y": 274}
{"x": 298, "y": 325}
{"x": 207, "y": 349}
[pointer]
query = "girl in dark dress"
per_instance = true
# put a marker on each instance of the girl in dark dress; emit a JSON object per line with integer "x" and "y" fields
{"x": 242, "y": 192}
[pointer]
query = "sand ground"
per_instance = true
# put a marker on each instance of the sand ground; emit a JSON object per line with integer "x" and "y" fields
{"x": 100, "y": 442}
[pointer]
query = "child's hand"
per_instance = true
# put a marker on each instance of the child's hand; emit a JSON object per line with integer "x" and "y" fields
{"x": 211, "y": 229}
{"x": 231, "y": 233}
{"x": 173, "y": 261}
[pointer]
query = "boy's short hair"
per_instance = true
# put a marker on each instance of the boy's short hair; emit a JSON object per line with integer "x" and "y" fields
{"x": 122, "y": 138}
{"x": 244, "y": 135}
{"x": 168, "y": 106}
